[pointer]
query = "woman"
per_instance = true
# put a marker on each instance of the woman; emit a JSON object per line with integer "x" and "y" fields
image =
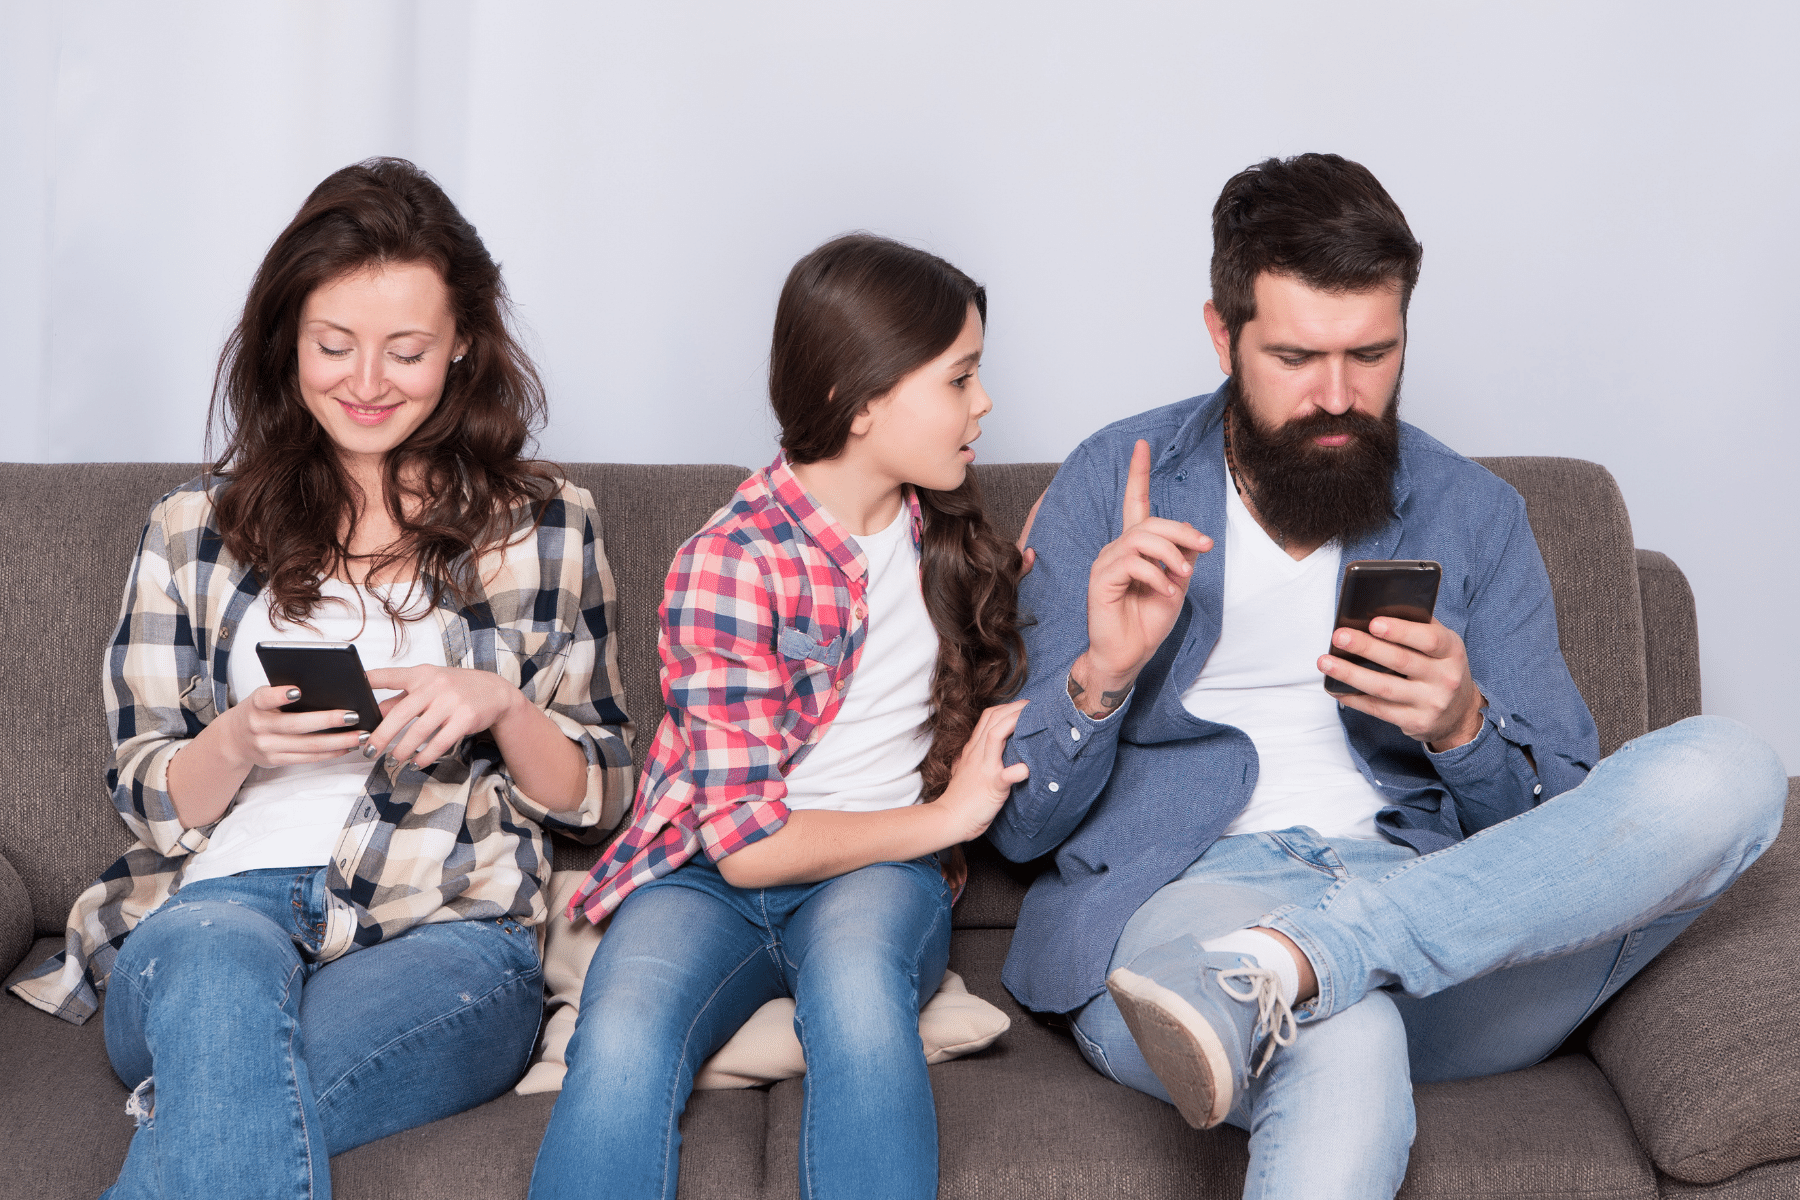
{"x": 372, "y": 491}
{"x": 829, "y": 642}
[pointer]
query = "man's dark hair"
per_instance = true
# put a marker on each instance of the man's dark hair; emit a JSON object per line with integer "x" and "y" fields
{"x": 1320, "y": 218}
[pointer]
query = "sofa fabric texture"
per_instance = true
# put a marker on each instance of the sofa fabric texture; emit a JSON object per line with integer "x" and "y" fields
{"x": 1689, "y": 1085}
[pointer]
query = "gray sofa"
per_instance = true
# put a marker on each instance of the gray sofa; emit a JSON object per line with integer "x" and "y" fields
{"x": 1688, "y": 1084}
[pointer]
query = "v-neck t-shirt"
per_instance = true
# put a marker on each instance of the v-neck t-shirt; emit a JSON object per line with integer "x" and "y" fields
{"x": 1262, "y": 677}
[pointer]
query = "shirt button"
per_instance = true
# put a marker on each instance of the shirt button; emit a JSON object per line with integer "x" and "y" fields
{"x": 838, "y": 686}
{"x": 1074, "y": 734}
{"x": 1538, "y": 790}
{"x": 861, "y": 612}
{"x": 1503, "y": 722}
{"x": 1055, "y": 787}
{"x": 224, "y": 632}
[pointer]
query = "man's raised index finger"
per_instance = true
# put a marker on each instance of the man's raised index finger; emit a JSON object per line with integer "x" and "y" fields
{"x": 1137, "y": 485}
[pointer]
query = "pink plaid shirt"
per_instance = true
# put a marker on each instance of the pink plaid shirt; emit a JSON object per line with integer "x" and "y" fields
{"x": 763, "y": 620}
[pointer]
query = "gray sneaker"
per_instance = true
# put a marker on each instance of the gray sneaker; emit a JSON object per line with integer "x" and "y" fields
{"x": 1200, "y": 1041}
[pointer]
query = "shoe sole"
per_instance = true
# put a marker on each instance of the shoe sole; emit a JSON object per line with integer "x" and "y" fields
{"x": 1178, "y": 1044}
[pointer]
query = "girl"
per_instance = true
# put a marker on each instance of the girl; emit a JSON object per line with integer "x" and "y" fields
{"x": 829, "y": 642}
{"x": 372, "y": 491}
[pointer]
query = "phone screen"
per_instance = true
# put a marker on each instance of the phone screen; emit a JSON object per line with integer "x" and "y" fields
{"x": 328, "y": 674}
{"x": 1405, "y": 589}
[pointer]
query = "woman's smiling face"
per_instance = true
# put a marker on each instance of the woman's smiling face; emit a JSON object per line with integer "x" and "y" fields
{"x": 374, "y": 348}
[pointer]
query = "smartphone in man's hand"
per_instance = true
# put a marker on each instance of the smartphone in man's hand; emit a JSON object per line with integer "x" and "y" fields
{"x": 1405, "y": 589}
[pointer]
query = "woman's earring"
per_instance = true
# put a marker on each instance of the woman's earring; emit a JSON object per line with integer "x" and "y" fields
{"x": 457, "y": 359}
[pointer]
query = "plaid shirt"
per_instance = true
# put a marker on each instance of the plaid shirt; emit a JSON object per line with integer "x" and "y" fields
{"x": 455, "y": 841}
{"x": 763, "y": 620}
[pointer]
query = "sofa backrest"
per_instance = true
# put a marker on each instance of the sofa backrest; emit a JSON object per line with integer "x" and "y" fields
{"x": 70, "y": 531}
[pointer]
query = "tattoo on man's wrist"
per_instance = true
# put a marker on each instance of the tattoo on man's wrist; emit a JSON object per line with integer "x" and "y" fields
{"x": 1109, "y": 701}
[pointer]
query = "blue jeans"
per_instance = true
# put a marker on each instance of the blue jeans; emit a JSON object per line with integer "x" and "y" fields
{"x": 686, "y": 961}
{"x": 253, "y": 1064}
{"x": 1477, "y": 959}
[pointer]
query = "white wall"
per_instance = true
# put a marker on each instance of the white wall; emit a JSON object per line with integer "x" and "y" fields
{"x": 1607, "y": 193}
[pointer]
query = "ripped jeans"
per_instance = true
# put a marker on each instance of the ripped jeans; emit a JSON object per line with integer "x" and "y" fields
{"x": 252, "y": 1064}
{"x": 688, "y": 958}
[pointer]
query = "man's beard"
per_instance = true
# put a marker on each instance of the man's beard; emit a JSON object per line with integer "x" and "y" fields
{"x": 1310, "y": 494}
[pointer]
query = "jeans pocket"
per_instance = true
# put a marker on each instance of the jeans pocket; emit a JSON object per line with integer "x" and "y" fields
{"x": 1092, "y": 1051}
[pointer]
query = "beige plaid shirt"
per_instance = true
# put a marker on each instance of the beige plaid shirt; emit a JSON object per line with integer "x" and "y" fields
{"x": 455, "y": 841}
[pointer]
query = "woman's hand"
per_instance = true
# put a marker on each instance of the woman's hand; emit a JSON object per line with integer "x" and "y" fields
{"x": 438, "y": 707}
{"x": 981, "y": 782}
{"x": 443, "y": 705}
{"x": 205, "y": 773}
{"x": 255, "y": 733}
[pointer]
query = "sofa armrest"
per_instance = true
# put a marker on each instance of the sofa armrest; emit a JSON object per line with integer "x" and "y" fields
{"x": 15, "y": 918}
{"x": 1671, "y": 639}
{"x": 1703, "y": 1047}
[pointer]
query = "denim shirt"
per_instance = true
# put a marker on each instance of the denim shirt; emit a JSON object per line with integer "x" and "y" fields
{"x": 1128, "y": 803}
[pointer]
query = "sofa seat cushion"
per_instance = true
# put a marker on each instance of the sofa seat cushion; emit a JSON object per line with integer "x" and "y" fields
{"x": 66, "y": 1130}
{"x": 1704, "y": 1046}
{"x": 1028, "y": 1118}
{"x": 488, "y": 1152}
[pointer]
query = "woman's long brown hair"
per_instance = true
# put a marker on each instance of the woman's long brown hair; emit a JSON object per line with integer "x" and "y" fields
{"x": 855, "y": 317}
{"x": 456, "y": 485}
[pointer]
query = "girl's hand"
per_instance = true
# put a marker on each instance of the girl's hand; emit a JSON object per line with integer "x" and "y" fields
{"x": 253, "y": 733}
{"x": 981, "y": 783}
{"x": 439, "y": 708}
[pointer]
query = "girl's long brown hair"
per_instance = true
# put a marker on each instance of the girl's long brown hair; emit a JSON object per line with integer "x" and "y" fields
{"x": 855, "y": 317}
{"x": 455, "y": 487}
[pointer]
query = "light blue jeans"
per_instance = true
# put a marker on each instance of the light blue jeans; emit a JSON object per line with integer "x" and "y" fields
{"x": 1477, "y": 959}
{"x": 252, "y": 1064}
{"x": 686, "y": 961}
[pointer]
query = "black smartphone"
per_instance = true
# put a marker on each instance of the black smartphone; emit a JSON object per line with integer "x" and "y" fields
{"x": 1382, "y": 587}
{"x": 328, "y": 674}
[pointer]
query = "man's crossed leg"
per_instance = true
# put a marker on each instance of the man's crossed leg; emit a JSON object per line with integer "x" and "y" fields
{"x": 1526, "y": 927}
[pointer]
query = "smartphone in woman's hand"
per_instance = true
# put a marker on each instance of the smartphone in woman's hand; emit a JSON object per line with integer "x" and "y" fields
{"x": 328, "y": 674}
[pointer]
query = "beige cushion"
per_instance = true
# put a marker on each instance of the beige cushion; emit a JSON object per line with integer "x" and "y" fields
{"x": 765, "y": 1050}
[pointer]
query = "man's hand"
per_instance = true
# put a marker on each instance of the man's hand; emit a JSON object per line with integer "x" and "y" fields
{"x": 1135, "y": 591}
{"x": 1437, "y": 703}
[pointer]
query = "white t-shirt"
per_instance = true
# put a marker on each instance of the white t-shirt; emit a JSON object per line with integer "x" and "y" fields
{"x": 1262, "y": 677}
{"x": 869, "y": 758}
{"x": 292, "y": 816}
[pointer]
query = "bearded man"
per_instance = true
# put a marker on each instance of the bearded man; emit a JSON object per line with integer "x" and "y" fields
{"x": 1267, "y": 904}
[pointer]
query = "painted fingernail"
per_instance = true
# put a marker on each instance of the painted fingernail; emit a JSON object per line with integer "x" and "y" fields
{"x": 368, "y": 751}
{"x": 293, "y": 693}
{"x": 351, "y": 718}
{"x": 362, "y": 739}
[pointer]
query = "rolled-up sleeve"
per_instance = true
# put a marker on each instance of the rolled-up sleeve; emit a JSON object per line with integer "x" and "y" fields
{"x": 1537, "y": 739}
{"x": 157, "y": 697}
{"x": 587, "y": 701}
{"x": 1070, "y": 755}
{"x": 727, "y": 691}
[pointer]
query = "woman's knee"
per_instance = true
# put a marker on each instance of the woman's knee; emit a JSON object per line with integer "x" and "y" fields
{"x": 209, "y": 948}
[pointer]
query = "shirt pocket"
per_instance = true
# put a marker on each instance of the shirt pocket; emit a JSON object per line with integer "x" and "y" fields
{"x": 797, "y": 644}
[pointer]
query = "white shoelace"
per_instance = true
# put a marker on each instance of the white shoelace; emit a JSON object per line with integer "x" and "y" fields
{"x": 1273, "y": 1016}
